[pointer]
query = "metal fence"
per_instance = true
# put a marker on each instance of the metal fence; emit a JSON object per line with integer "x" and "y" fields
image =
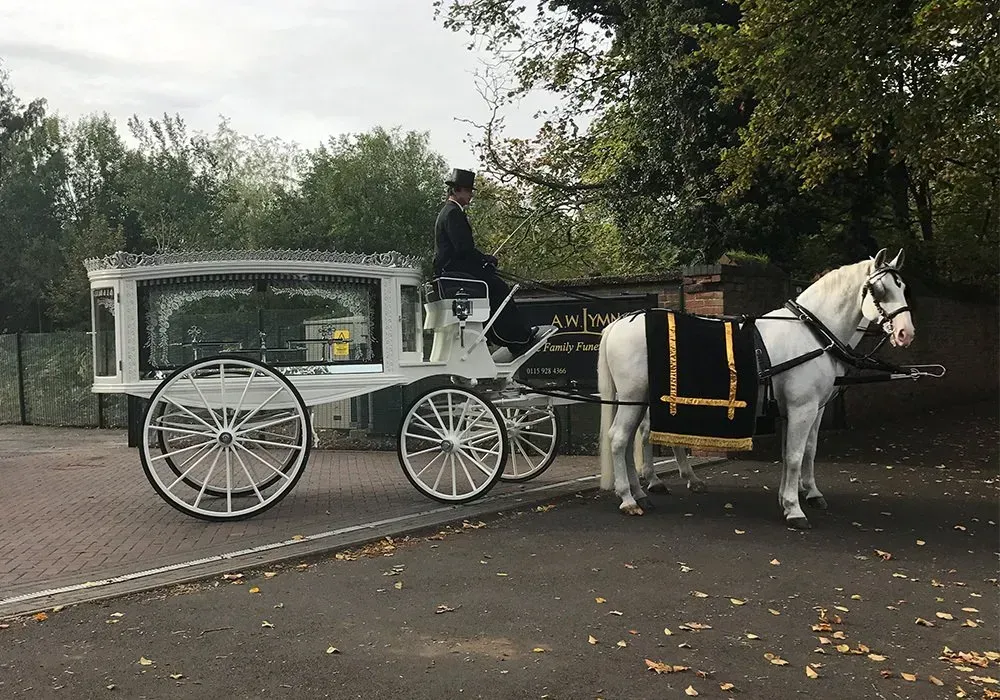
{"x": 45, "y": 379}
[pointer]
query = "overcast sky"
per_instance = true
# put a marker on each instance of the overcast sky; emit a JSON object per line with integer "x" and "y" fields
{"x": 298, "y": 69}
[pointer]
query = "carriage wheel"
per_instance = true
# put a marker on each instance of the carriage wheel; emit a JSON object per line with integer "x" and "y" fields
{"x": 452, "y": 445}
{"x": 225, "y": 438}
{"x": 170, "y": 442}
{"x": 534, "y": 442}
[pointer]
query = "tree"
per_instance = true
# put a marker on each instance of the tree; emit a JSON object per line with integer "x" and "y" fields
{"x": 32, "y": 195}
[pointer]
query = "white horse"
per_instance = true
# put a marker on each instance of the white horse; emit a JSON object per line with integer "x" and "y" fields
{"x": 870, "y": 291}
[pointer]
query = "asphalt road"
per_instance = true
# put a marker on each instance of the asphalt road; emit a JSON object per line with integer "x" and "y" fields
{"x": 574, "y": 600}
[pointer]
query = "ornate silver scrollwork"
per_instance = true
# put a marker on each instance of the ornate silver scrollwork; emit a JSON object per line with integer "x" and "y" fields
{"x": 122, "y": 260}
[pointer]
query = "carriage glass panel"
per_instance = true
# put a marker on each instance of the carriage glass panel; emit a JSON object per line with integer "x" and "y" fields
{"x": 105, "y": 350}
{"x": 304, "y": 323}
{"x": 410, "y": 311}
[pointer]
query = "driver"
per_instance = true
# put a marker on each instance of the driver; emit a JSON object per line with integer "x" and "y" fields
{"x": 456, "y": 252}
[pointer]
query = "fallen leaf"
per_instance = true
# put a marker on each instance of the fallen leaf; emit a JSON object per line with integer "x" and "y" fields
{"x": 592, "y": 639}
{"x": 332, "y": 650}
{"x": 775, "y": 562}
{"x": 619, "y": 613}
{"x": 855, "y": 597}
{"x": 621, "y": 644}
{"x": 923, "y": 622}
{"x": 839, "y": 635}
{"x": 703, "y": 674}
{"x": 960, "y": 527}
{"x": 686, "y": 569}
{"x": 538, "y": 650}
{"x": 885, "y": 673}
{"x": 500, "y": 573}
{"x": 885, "y": 555}
{"x": 811, "y": 673}
{"x": 944, "y": 615}
{"x": 773, "y": 611}
{"x": 935, "y": 680}
{"x": 841, "y": 608}
{"x": 776, "y": 660}
{"x": 443, "y": 609}
{"x": 920, "y": 543}
{"x": 143, "y": 661}
{"x": 40, "y": 617}
{"x": 666, "y": 631}
{"x": 728, "y": 506}
{"x": 737, "y": 601}
{"x": 254, "y": 590}
{"x": 876, "y": 657}
{"x": 740, "y": 532}
{"x": 398, "y": 585}
{"x": 824, "y": 640}
{"x": 265, "y": 623}
{"x": 985, "y": 679}
{"x": 727, "y": 686}
{"x": 750, "y": 635}
{"x": 969, "y": 610}
{"x": 298, "y": 537}
{"x": 699, "y": 594}
{"x": 959, "y": 693}
{"x": 908, "y": 676}
{"x": 630, "y": 566}
{"x": 899, "y": 575}
{"x": 176, "y": 676}
{"x": 690, "y": 691}
{"x": 844, "y": 648}
{"x": 600, "y": 600}
{"x": 232, "y": 577}
{"x": 695, "y": 626}
{"x": 683, "y": 645}
{"x": 270, "y": 574}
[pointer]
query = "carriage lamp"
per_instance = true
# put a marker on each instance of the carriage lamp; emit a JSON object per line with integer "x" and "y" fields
{"x": 461, "y": 307}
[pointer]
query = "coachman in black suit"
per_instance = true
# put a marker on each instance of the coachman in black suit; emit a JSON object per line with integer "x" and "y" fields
{"x": 456, "y": 252}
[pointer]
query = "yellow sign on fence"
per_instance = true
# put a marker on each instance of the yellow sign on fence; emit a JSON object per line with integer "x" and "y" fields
{"x": 341, "y": 343}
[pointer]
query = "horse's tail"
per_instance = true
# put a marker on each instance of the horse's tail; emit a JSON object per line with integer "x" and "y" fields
{"x": 606, "y": 389}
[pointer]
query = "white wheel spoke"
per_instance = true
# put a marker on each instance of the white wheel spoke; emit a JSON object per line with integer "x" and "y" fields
{"x": 520, "y": 447}
{"x": 267, "y": 464}
{"x": 541, "y": 435}
{"x": 438, "y": 416}
{"x": 191, "y": 413}
{"x": 423, "y": 452}
{"x": 239, "y": 405}
{"x": 208, "y": 408}
{"x": 229, "y": 481}
{"x": 165, "y": 455}
{"x": 268, "y": 424}
{"x": 246, "y": 471}
{"x": 495, "y": 453}
{"x": 222, "y": 391}
{"x": 472, "y": 484}
{"x": 428, "y": 465}
{"x": 535, "y": 447}
{"x": 477, "y": 464}
{"x": 181, "y": 431}
{"x": 208, "y": 476}
{"x": 254, "y": 412}
{"x": 283, "y": 445}
{"x": 184, "y": 474}
{"x": 430, "y": 427}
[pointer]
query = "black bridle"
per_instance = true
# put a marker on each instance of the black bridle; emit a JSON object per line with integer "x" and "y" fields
{"x": 884, "y": 317}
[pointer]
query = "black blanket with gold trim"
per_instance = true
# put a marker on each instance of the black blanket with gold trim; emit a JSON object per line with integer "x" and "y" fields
{"x": 702, "y": 381}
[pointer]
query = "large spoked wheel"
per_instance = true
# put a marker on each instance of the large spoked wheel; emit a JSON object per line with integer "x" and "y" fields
{"x": 533, "y": 434}
{"x": 452, "y": 445}
{"x": 225, "y": 438}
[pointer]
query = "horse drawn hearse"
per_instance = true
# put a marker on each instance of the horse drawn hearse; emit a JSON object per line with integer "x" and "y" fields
{"x": 233, "y": 350}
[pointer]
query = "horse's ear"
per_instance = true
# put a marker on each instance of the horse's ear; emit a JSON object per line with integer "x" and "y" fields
{"x": 880, "y": 259}
{"x": 897, "y": 262}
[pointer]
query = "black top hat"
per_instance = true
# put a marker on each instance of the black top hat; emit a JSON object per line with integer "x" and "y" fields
{"x": 462, "y": 179}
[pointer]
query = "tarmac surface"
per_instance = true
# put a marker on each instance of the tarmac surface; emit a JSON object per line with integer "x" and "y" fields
{"x": 892, "y": 593}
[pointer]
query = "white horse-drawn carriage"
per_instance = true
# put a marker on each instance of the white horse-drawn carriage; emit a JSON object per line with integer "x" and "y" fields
{"x": 219, "y": 344}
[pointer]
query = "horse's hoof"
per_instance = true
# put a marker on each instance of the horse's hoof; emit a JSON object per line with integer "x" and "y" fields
{"x": 659, "y": 487}
{"x": 799, "y": 523}
{"x": 817, "y": 502}
{"x": 646, "y": 504}
{"x": 631, "y": 510}
{"x": 698, "y": 487}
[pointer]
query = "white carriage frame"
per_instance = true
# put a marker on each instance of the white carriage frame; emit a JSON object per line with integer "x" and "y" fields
{"x": 460, "y": 352}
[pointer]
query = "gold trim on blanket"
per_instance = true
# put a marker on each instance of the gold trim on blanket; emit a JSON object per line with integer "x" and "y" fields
{"x": 677, "y": 440}
{"x": 691, "y": 401}
{"x": 731, "y": 359}
{"x": 672, "y": 334}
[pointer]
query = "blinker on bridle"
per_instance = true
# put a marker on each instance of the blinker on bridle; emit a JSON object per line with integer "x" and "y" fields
{"x": 884, "y": 317}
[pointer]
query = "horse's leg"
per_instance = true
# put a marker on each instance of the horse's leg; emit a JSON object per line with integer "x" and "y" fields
{"x": 687, "y": 473}
{"x": 644, "y": 452}
{"x": 622, "y": 431}
{"x": 812, "y": 493}
{"x": 798, "y": 428}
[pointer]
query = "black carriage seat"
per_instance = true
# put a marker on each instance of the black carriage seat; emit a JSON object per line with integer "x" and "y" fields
{"x": 448, "y": 285}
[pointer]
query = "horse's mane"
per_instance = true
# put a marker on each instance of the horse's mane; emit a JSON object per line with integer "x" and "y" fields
{"x": 840, "y": 282}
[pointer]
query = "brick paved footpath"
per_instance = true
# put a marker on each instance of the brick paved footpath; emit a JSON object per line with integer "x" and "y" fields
{"x": 76, "y": 507}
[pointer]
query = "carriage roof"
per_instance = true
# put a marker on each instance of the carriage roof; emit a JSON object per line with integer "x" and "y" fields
{"x": 173, "y": 263}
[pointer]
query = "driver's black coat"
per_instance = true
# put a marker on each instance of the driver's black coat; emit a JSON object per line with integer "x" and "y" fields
{"x": 455, "y": 249}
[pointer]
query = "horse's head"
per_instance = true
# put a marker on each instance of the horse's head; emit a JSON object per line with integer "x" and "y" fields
{"x": 883, "y": 299}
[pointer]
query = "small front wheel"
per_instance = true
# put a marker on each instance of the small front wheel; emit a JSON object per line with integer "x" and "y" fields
{"x": 533, "y": 434}
{"x": 452, "y": 445}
